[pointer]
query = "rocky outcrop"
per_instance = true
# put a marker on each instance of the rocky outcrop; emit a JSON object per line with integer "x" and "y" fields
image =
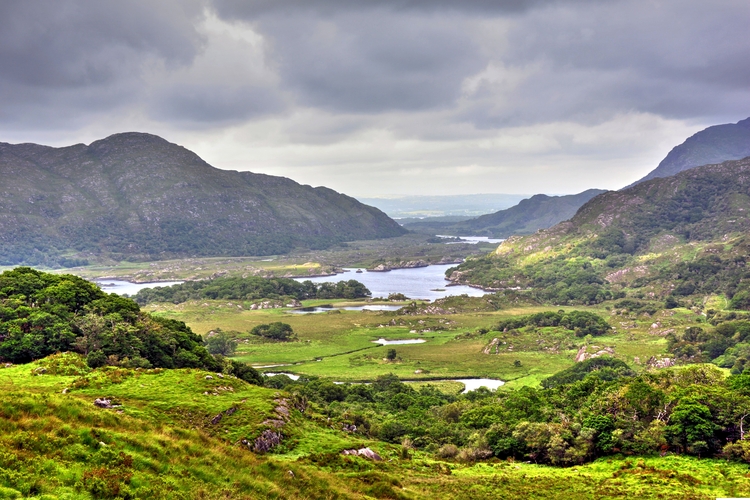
{"x": 365, "y": 453}
{"x": 592, "y": 351}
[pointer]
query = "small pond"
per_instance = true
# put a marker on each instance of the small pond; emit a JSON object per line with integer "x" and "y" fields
{"x": 399, "y": 342}
{"x": 290, "y": 375}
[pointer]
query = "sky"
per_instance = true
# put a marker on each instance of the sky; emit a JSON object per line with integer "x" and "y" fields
{"x": 378, "y": 97}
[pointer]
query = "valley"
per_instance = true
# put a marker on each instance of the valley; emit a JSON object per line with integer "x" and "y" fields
{"x": 348, "y": 361}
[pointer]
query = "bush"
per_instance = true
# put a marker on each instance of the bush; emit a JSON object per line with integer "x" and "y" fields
{"x": 274, "y": 331}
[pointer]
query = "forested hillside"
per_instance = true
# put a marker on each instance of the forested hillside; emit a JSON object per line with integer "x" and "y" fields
{"x": 137, "y": 196}
{"x": 676, "y": 236}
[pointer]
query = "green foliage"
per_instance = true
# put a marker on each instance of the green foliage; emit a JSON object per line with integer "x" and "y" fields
{"x": 252, "y": 289}
{"x": 43, "y": 314}
{"x": 274, "y": 331}
{"x": 219, "y": 342}
{"x": 602, "y": 367}
{"x": 581, "y": 322}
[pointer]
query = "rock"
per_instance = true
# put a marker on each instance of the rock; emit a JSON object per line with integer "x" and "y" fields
{"x": 363, "y": 452}
{"x": 584, "y": 354}
{"x": 65, "y": 391}
{"x": 380, "y": 268}
{"x": 103, "y": 403}
{"x": 220, "y": 375}
{"x": 40, "y": 370}
{"x": 654, "y": 362}
{"x": 492, "y": 346}
{"x": 266, "y": 441}
{"x": 209, "y": 377}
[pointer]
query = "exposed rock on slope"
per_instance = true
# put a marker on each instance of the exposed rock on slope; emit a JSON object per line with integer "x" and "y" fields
{"x": 137, "y": 195}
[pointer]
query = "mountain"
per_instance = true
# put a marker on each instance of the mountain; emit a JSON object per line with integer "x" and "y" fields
{"x": 135, "y": 195}
{"x": 682, "y": 235}
{"x": 538, "y": 212}
{"x": 469, "y": 205}
{"x": 715, "y": 144}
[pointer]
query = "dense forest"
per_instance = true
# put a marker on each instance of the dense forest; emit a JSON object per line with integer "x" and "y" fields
{"x": 596, "y": 408}
{"x": 43, "y": 314}
{"x": 252, "y": 289}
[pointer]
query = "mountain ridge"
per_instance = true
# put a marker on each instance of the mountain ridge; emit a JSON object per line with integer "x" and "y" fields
{"x": 680, "y": 235}
{"x": 715, "y": 144}
{"x": 529, "y": 215}
{"x": 138, "y": 195}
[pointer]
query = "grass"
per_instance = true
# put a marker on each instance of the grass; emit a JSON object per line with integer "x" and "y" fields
{"x": 161, "y": 444}
{"x": 339, "y": 345}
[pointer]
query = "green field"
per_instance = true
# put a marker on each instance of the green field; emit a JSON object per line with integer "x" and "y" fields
{"x": 339, "y": 345}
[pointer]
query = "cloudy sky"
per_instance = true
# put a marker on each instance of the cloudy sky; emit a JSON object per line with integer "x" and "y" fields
{"x": 376, "y": 97}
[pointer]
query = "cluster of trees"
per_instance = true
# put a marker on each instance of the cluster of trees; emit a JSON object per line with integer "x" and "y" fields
{"x": 596, "y": 409}
{"x": 274, "y": 331}
{"x": 581, "y": 322}
{"x": 252, "y": 288}
{"x": 562, "y": 280}
{"x": 42, "y": 314}
{"x": 724, "y": 341}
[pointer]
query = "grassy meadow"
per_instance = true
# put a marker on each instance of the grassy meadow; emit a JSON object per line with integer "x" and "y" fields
{"x": 339, "y": 344}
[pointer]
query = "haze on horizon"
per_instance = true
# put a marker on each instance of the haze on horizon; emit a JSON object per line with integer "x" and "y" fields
{"x": 384, "y": 97}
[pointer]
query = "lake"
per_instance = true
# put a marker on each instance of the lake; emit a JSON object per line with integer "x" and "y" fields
{"x": 127, "y": 288}
{"x": 417, "y": 283}
{"x": 470, "y": 239}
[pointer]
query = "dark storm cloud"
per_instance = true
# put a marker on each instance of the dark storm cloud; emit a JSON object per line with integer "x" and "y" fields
{"x": 570, "y": 60}
{"x": 75, "y": 56}
{"x": 388, "y": 63}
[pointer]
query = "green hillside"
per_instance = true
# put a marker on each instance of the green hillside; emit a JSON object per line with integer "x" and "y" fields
{"x": 652, "y": 238}
{"x": 538, "y": 212}
{"x": 137, "y": 196}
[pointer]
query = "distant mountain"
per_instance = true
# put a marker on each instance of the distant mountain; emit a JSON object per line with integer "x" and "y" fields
{"x": 715, "y": 144}
{"x": 680, "y": 235}
{"x": 538, "y": 212}
{"x": 470, "y": 205}
{"x": 135, "y": 195}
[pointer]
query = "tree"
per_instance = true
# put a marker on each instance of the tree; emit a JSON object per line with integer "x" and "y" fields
{"x": 275, "y": 331}
{"x": 691, "y": 425}
{"x": 219, "y": 342}
{"x": 391, "y": 355}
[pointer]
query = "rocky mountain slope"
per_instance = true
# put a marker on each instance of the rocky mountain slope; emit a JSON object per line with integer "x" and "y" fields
{"x": 716, "y": 144}
{"x": 538, "y": 212}
{"x": 681, "y": 235}
{"x": 135, "y": 195}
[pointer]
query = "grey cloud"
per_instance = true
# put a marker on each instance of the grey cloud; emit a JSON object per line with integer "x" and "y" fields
{"x": 353, "y": 64}
{"x": 580, "y": 61}
{"x": 83, "y": 55}
{"x": 211, "y": 104}
{"x": 243, "y": 9}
